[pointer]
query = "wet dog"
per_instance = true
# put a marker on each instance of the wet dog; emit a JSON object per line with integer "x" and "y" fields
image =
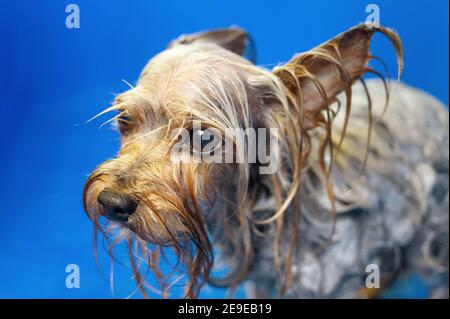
{"x": 355, "y": 183}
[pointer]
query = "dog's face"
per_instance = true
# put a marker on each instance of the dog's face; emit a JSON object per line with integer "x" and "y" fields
{"x": 201, "y": 84}
{"x": 145, "y": 189}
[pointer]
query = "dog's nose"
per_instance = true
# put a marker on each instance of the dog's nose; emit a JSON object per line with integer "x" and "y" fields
{"x": 117, "y": 206}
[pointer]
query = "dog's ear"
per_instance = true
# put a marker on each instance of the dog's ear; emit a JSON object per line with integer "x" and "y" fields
{"x": 314, "y": 78}
{"x": 234, "y": 39}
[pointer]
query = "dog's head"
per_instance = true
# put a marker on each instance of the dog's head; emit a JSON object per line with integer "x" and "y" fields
{"x": 205, "y": 132}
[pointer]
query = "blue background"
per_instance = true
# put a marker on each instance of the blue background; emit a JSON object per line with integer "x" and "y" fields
{"x": 53, "y": 79}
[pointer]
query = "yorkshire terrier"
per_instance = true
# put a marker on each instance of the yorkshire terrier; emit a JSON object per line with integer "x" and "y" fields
{"x": 356, "y": 177}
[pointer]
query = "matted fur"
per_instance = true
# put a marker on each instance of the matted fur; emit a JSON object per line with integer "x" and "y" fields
{"x": 192, "y": 207}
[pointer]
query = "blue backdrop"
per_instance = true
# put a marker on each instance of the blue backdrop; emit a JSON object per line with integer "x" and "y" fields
{"x": 52, "y": 79}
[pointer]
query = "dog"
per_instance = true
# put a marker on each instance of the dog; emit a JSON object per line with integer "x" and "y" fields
{"x": 361, "y": 179}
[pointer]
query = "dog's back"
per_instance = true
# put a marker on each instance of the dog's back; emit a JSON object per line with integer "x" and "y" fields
{"x": 392, "y": 215}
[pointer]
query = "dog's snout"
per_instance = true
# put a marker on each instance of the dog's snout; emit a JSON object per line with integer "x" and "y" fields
{"x": 117, "y": 206}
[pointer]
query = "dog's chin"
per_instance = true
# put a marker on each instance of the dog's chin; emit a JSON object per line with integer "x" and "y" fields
{"x": 165, "y": 232}
{"x": 160, "y": 239}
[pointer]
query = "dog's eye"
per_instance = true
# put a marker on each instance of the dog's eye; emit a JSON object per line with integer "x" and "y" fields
{"x": 201, "y": 138}
{"x": 124, "y": 123}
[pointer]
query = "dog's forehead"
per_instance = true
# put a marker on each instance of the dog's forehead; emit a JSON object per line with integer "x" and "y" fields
{"x": 191, "y": 58}
{"x": 182, "y": 72}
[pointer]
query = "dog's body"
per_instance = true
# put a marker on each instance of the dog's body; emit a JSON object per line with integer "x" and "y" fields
{"x": 387, "y": 205}
{"x": 395, "y": 217}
